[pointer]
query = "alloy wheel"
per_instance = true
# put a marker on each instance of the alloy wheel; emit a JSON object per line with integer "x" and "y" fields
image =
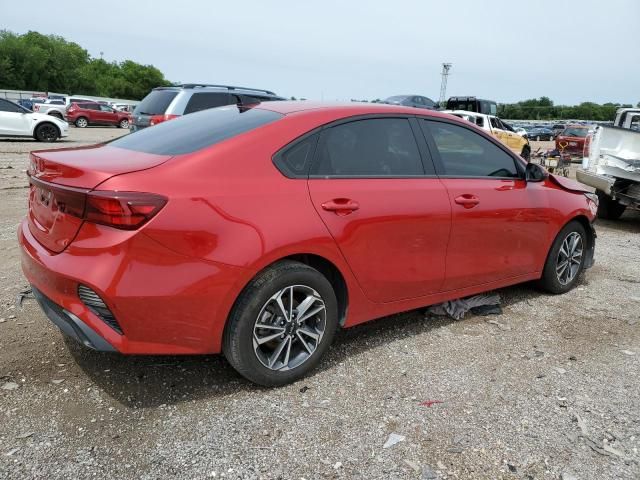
{"x": 569, "y": 258}
{"x": 289, "y": 327}
{"x": 48, "y": 133}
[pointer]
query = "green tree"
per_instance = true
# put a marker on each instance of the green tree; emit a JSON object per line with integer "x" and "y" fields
{"x": 50, "y": 63}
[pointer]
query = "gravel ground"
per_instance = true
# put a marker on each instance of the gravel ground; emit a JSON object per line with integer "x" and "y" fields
{"x": 548, "y": 390}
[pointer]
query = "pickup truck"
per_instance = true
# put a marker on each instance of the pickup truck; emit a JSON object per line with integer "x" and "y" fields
{"x": 496, "y": 127}
{"x": 54, "y": 107}
{"x": 611, "y": 164}
{"x": 57, "y": 107}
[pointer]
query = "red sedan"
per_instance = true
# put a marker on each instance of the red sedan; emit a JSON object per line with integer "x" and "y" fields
{"x": 571, "y": 139}
{"x": 258, "y": 231}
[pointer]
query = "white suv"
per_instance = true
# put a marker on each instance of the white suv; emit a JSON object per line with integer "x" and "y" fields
{"x": 17, "y": 121}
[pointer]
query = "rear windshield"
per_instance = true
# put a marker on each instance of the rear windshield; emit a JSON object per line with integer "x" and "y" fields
{"x": 156, "y": 102}
{"x": 575, "y": 132}
{"x": 196, "y": 131}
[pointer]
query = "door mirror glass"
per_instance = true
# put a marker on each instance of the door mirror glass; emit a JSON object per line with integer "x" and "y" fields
{"x": 535, "y": 173}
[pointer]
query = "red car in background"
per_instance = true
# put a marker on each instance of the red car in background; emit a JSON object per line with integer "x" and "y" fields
{"x": 92, "y": 113}
{"x": 258, "y": 231}
{"x": 571, "y": 139}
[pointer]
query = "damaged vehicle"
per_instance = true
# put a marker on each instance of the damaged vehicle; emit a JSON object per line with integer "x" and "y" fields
{"x": 258, "y": 231}
{"x": 611, "y": 165}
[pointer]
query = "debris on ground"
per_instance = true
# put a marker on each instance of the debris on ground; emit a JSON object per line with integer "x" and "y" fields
{"x": 428, "y": 403}
{"x": 9, "y": 386}
{"x": 26, "y": 293}
{"x": 393, "y": 439}
{"x": 483, "y": 304}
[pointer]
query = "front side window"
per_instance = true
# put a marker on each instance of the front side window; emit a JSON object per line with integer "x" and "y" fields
{"x": 381, "y": 147}
{"x": 464, "y": 153}
{"x": 205, "y": 100}
{"x": 495, "y": 123}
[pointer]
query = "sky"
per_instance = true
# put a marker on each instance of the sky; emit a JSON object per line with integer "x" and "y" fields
{"x": 570, "y": 51}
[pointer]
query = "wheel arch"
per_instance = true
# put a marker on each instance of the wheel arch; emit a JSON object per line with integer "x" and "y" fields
{"x": 332, "y": 273}
{"x": 591, "y": 237}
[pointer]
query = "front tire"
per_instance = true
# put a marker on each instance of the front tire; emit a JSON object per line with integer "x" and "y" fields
{"x": 608, "y": 208}
{"x": 82, "y": 122}
{"x": 526, "y": 153}
{"x": 565, "y": 260}
{"x": 123, "y": 123}
{"x": 281, "y": 324}
{"x": 46, "y": 132}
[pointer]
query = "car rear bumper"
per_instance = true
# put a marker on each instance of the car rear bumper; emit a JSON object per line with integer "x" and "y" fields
{"x": 162, "y": 302}
{"x": 71, "y": 325}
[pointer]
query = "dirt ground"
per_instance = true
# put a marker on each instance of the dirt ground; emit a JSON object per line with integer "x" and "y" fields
{"x": 550, "y": 389}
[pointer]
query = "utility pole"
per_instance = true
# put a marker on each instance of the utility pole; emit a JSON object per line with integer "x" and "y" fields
{"x": 443, "y": 86}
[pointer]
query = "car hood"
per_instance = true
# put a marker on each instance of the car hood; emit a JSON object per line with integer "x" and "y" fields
{"x": 568, "y": 184}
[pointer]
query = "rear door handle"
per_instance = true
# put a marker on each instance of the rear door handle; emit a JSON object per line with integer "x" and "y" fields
{"x": 341, "y": 206}
{"x": 467, "y": 200}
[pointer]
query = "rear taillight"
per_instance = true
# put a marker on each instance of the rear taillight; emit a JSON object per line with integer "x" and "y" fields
{"x": 123, "y": 210}
{"x": 36, "y": 107}
{"x": 156, "y": 119}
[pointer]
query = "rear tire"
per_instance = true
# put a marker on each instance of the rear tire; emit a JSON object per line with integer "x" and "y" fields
{"x": 608, "y": 208}
{"x": 565, "y": 260}
{"x": 123, "y": 123}
{"x": 57, "y": 115}
{"x": 82, "y": 122}
{"x": 526, "y": 153}
{"x": 46, "y": 132}
{"x": 293, "y": 351}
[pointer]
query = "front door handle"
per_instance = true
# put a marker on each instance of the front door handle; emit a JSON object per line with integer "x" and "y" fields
{"x": 341, "y": 206}
{"x": 467, "y": 200}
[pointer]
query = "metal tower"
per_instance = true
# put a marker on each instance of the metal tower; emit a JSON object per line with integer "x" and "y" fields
{"x": 443, "y": 86}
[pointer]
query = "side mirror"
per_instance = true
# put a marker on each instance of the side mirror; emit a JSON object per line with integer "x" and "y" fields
{"x": 535, "y": 173}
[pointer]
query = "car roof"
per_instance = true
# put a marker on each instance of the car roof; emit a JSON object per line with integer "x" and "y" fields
{"x": 348, "y": 108}
{"x": 217, "y": 88}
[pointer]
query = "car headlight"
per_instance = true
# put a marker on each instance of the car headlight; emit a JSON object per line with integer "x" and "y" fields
{"x": 593, "y": 197}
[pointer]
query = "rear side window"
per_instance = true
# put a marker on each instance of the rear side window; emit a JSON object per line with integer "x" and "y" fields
{"x": 190, "y": 133}
{"x": 156, "y": 102}
{"x": 89, "y": 106}
{"x": 204, "y": 100}
{"x": 465, "y": 153}
{"x": 294, "y": 161}
{"x": 381, "y": 147}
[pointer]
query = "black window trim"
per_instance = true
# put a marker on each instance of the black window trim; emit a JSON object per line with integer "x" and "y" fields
{"x": 428, "y": 166}
{"x": 518, "y": 162}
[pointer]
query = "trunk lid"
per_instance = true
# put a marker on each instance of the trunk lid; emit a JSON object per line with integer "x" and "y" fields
{"x": 60, "y": 179}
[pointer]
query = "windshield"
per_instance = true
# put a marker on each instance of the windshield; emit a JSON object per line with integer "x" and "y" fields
{"x": 196, "y": 131}
{"x": 575, "y": 132}
{"x": 156, "y": 102}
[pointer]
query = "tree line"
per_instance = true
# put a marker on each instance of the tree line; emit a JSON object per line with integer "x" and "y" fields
{"x": 543, "y": 109}
{"x": 49, "y": 63}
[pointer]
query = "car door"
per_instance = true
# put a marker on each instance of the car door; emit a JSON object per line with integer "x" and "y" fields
{"x": 107, "y": 115}
{"x": 387, "y": 211}
{"x": 13, "y": 119}
{"x": 499, "y": 222}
